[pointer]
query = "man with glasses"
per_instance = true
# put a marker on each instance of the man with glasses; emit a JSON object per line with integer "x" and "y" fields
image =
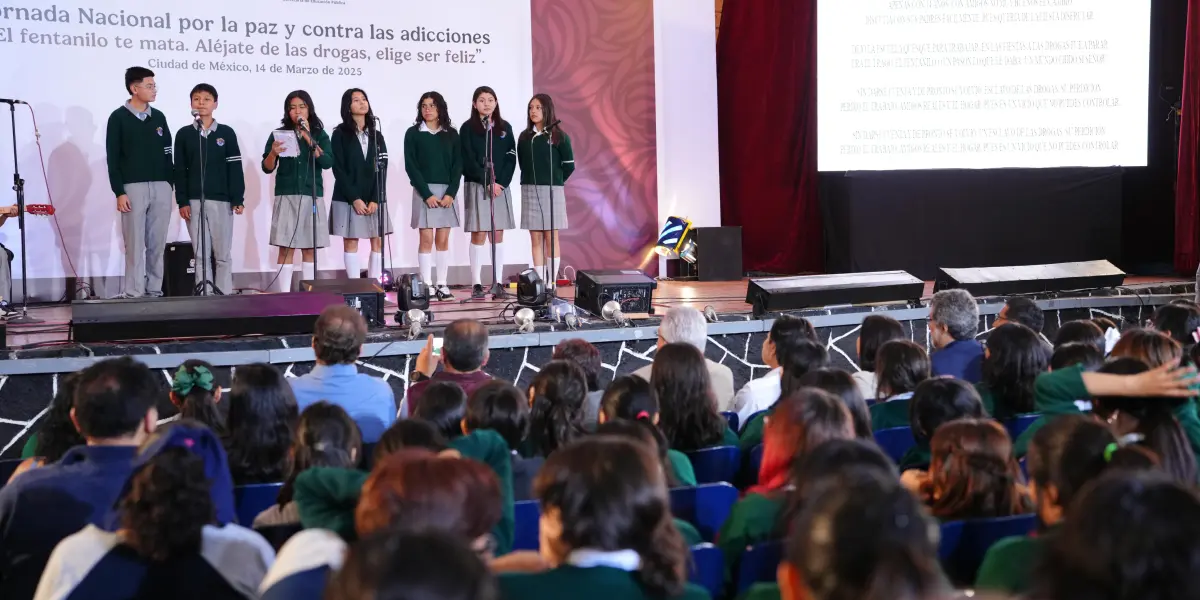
{"x": 139, "y": 146}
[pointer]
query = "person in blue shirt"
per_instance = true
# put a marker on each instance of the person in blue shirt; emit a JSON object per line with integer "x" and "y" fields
{"x": 953, "y": 323}
{"x": 114, "y": 410}
{"x": 337, "y": 342}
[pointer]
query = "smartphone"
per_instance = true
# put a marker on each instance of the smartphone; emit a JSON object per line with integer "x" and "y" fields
{"x": 437, "y": 346}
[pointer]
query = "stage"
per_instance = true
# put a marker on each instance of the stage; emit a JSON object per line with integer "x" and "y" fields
{"x": 38, "y": 354}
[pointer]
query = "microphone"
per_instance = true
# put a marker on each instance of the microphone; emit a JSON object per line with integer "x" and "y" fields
{"x": 303, "y": 124}
{"x": 554, "y": 124}
{"x": 11, "y": 101}
{"x": 196, "y": 115}
{"x": 487, "y": 122}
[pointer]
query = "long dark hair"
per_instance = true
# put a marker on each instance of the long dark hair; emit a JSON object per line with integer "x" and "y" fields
{"x": 58, "y": 433}
{"x": 1016, "y": 356}
{"x": 689, "y": 417}
{"x": 802, "y": 356}
{"x": 941, "y": 400}
{"x": 841, "y": 384}
{"x": 826, "y": 460}
{"x": 556, "y": 418}
{"x": 314, "y": 122}
{"x": 900, "y": 366}
{"x": 498, "y": 405}
{"x": 262, "y": 420}
{"x": 876, "y": 331}
{"x": 347, "y": 126}
{"x": 199, "y": 403}
{"x": 629, "y": 397}
{"x": 325, "y": 437}
{"x": 642, "y": 430}
{"x": 476, "y": 122}
{"x": 972, "y": 474}
{"x": 548, "y": 116}
{"x": 443, "y": 112}
{"x": 168, "y": 505}
{"x": 610, "y": 494}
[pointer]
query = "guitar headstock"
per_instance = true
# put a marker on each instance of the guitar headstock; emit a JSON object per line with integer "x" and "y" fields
{"x": 40, "y": 210}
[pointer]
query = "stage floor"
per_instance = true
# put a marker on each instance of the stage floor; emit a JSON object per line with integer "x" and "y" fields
{"x": 727, "y": 298}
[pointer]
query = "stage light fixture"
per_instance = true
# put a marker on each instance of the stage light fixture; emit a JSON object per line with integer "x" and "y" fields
{"x": 412, "y": 292}
{"x": 385, "y": 281}
{"x": 524, "y": 320}
{"x": 677, "y": 240}
{"x": 531, "y": 290}
{"x": 612, "y": 312}
{"x": 414, "y": 319}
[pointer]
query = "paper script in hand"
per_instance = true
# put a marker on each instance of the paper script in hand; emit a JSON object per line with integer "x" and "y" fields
{"x": 291, "y": 145}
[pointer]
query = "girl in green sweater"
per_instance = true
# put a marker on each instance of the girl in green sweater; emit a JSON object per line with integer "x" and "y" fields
{"x": 690, "y": 420}
{"x": 935, "y": 402}
{"x": 900, "y": 366}
{"x": 547, "y": 161}
{"x": 433, "y": 162}
{"x": 1013, "y": 359}
{"x": 606, "y": 528}
{"x": 489, "y": 160}
{"x": 1065, "y": 455}
{"x": 631, "y": 398}
{"x": 360, "y": 159}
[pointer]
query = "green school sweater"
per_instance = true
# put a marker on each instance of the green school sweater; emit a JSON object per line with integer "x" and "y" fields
{"x": 294, "y": 176}
{"x": 685, "y": 475}
{"x": 691, "y": 536}
{"x": 752, "y": 434}
{"x": 1008, "y": 565}
{"x": 730, "y": 438}
{"x": 474, "y": 148}
{"x": 137, "y": 151}
{"x": 753, "y": 519}
{"x": 576, "y": 583}
{"x": 918, "y": 456}
{"x": 353, "y": 173}
{"x": 762, "y": 591}
{"x": 224, "y": 180}
{"x": 29, "y": 450}
{"x": 534, "y": 155}
{"x": 886, "y": 415}
{"x": 1054, "y": 394}
{"x": 432, "y": 158}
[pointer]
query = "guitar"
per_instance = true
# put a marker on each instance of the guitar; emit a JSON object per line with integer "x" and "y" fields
{"x": 37, "y": 210}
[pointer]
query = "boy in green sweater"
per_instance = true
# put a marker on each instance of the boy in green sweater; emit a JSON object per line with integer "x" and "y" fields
{"x": 140, "y": 172}
{"x": 210, "y": 184}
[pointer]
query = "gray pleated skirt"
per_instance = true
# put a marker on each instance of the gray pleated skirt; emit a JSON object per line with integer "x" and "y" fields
{"x": 344, "y": 222}
{"x": 292, "y": 223}
{"x": 535, "y": 207}
{"x": 424, "y": 217}
{"x": 478, "y": 213}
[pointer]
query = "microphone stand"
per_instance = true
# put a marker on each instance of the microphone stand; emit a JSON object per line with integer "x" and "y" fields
{"x": 19, "y": 187}
{"x": 489, "y": 180}
{"x": 312, "y": 161}
{"x": 380, "y": 171}
{"x": 553, "y": 291}
{"x": 201, "y": 288}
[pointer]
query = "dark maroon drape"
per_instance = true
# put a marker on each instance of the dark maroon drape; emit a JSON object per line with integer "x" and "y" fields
{"x": 1187, "y": 189}
{"x": 766, "y": 94}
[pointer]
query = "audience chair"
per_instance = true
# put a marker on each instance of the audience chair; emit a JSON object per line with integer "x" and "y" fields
{"x": 895, "y": 441}
{"x": 962, "y": 561}
{"x": 705, "y": 506}
{"x": 525, "y": 536}
{"x": 1018, "y": 424}
{"x": 253, "y": 499}
{"x": 717, "y": 464}
{"x": 7, "y": 468}
{"x": 759, "y": 564}
{"x": 731, "y": 418}
{"x": 708, "y": 568}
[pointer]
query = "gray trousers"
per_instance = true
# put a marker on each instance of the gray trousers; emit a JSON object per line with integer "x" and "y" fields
{"x": 145, "y": 231}
{"x": 218, "y": 225}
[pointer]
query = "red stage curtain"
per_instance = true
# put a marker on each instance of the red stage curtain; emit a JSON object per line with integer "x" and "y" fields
{"x": 1187, "y": 188}
{"x": 766, "y": 94}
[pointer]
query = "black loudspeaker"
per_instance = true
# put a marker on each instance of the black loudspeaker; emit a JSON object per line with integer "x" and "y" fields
{"x": 363, "y": 295}
{"x": 719, "y": 253}
{"x": 179, "y": 270}
{"x": 793, "y": 293}
{"x": 1004, "y": 281}
{"x": 633, "y": 290}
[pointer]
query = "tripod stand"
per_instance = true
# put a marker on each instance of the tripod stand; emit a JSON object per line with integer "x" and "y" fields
{"x": 19, "y": 188}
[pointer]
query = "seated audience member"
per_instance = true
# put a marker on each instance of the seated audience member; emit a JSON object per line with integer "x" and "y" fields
{"x": 1105, "y": 323}
{"x": 587, "y": 357}
{"x": 972, "y": 474}
{"x": 834, "y": 458}
{"x": 606, "y": 528}
{"x": 686, "y": 325}
{"x": 325, "y": 437}
{"x": 261, "y": 425}
{"x": 1130, "y": 536}
{"x": 175, "y": 537}
{"x": 443, "y": 405}
{"x": 556, "y": 406}
{"x": 498, "y": 405}
{"x": 1086, "y": 356}
{"x": 114, "y": 410}
{"x": 866, "y": 539}
{"x": 409, "y": 433}
{"x": 1154, "y": 418}
{"x": 1178, "y": 321}
{"x": 411, "y": 491}
{"x": 1152, "y": 348}
{"x": 632, "y": 398}
{"x": 1022, "y": 310}
{"x": 900, "y": 367}
{"x": 1086, "y": 332}
{"x": 799, "y": 424}
{"x": 804, "y": 357}
{"x": 412, "y": 566}
{"x": 1015, "y": 356}
{"x": 464, "y": 355}
{"x": 689, "y": 417}
{"x": 1066, "y": 454}
{"x": 953, "y": 323}
{"x": 937, "y": 401}
{"x": 842, "y": 385}
{"x": 337, "y": 342}
{"x": 57, "y": 434}
{"x": 876, "y": 331}
{"x": 195, "y": 393}
{"x": 759, "y": 394}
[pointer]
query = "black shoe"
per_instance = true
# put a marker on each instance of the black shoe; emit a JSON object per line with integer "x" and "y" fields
{"x": 477, "y": 291}
{"x": 443, "y": 293}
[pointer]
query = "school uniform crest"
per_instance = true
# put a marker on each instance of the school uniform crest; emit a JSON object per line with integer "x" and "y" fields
{"x": 220, "y": 141}
{"x": 502, "y": 134}
{"x": 159, "y": 130}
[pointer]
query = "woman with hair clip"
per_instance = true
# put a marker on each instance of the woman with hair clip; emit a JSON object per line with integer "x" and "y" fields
{"x": 260, "y": 426}
{"x": 690, "y": 420}
{"x": 484, "y": 191}
{"x": 556, "y": 406}
{"x": 325, "y": 437}
{"x": 358, "y": 190}
{"x": 58, "y": 432}
{"x": 296, "y": 182}
{"x": 1065, "y": 456}
{"x": 900, "y": 366}
{"x": 433, "y": 161}
{"x": 196, "y": 394}
{"x": 547, "y": 161}
{"x": 606, "y": 528}
{"x": 632, "y": 398}
{"x": 1012, "y": 360}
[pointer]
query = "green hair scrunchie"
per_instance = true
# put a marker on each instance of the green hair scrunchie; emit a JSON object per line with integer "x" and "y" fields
{"x": 1109, "y": 450}
{"x": 185, "y": 381}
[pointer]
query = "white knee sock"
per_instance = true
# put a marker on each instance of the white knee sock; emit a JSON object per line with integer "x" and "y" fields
{"x": 554, "y": 270}
{"x": 284, "y": 282}
{"x": 477, "y": 263}
{"x": 309, "y": 271}
{"x": 426, "y": 263}
{"x": 352, "y": 265}
{"x": 443, "y": 266}
{"x": 499, "y": 266}
{"x": 375, "y": 265}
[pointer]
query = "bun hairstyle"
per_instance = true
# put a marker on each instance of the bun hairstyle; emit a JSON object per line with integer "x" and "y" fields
{"x": 556, "y": 418}
{"x": 972, "y": 474}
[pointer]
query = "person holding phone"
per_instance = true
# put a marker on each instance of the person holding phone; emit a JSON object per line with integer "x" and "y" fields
{"x": 433, "y": 161}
